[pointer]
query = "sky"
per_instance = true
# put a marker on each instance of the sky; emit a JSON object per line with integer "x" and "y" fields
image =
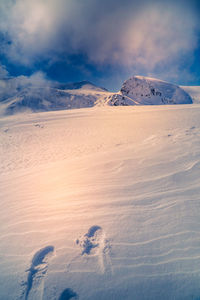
{"x": 103, "y": 41}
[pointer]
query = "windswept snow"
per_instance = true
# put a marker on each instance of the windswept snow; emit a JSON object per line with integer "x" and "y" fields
{"x": 101, "y": 203}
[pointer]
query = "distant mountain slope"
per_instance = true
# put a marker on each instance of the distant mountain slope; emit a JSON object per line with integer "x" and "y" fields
{"x": 87, "y": 85}
{"x": 193, "y": 91}
{"x": 57, "y": 96}
{"x": 140, "y": 90}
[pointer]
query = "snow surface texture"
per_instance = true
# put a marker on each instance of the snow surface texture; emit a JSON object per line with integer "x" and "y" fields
{"x": 140, "y": 90}
{"x": 135, "y": 91}
{"x": 101, "y": 203}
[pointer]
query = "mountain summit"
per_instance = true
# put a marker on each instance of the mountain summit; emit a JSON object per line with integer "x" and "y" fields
{"x": 139, "y": 90}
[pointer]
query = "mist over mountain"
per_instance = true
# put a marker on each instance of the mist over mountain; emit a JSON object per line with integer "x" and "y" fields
{"x": 38, "y": 94}
{"x": 35, "y": 98}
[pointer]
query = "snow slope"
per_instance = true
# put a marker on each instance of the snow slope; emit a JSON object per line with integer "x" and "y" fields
{"x": 194, "y": 92}
{"x": 101, "y": 203}
{"x": 61, "y": 96}
{"x": 139, "y": 90}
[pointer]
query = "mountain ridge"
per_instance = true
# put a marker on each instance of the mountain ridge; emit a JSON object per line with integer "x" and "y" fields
{"x": 137, "y": 90}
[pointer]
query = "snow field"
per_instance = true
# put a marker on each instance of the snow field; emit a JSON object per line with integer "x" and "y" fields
{"x": 101, "y": 203}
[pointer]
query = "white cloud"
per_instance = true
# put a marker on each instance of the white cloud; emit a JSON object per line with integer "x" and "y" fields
{"x": 9, "y": 86}
{"x": 153, "y": 35}
{"x": 129, "y": 34}
{"x": 3, "y": 72}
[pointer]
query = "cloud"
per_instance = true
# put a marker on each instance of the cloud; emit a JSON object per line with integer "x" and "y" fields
{"x": 10, "y": 86}
{"x": 156, "y": 35}
{"x": 137, "y": 35}
{"x": 27, "y": 26}
{"x": 3, "y": 72}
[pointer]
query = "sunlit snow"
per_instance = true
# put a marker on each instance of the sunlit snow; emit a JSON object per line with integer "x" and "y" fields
{"x": 101, "y": 203}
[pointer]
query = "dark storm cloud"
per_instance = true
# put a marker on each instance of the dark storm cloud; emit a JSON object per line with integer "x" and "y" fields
{"x": 139, "y": 35}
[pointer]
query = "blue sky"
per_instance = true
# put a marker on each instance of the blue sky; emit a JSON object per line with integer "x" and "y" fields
{"x": 104, "y": 41}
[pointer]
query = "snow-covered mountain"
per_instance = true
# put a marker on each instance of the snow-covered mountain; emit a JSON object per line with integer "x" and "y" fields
{"x": 85, "y": 85}
{"x": 194, "y": 92}
{"x": 139, "y": 90}
{"x": 57, "y": 96}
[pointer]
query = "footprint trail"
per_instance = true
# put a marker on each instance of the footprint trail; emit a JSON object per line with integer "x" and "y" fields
{"x": 68, "y": 294}
{"x": 94, "y": 243}
{"x": 91, "y": 239}
{"x": 38, "y": 267}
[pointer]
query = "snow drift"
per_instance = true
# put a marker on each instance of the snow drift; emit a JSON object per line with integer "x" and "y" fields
{"x": 101, "y": 203}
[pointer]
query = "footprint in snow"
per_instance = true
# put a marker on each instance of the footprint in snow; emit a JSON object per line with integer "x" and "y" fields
{"x": 191, "y": 130}
{"x": 39, "y": 125}
{"x": 94, "y": 243}
{"x": 38, "y": 269}
{"x": 90, "y": 240}
{"x": 68, "y": 294}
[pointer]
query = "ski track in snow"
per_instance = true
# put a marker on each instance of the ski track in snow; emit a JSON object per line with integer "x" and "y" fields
{"x": 116, "y": 192}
